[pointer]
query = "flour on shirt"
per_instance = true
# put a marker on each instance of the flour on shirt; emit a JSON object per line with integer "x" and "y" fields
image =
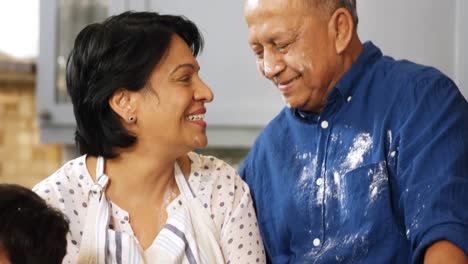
{"x": 362, "y": 143}
{"x": 389, "y": 137}
{"x": 415, "y": 222}
{"x": 379, "y": 181}
{"x": 358, "y": 242}
{"x": 307, "y": 174}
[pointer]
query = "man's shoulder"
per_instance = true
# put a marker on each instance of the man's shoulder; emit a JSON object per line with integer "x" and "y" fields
{"x": 407, "y": 80}
{"x": 270, "y": 132}
{"x": 268, "y": 139}
{"x": 407, "y": 71}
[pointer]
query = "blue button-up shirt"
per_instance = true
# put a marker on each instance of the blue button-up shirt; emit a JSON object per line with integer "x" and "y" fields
{"x": 376, "y": 177}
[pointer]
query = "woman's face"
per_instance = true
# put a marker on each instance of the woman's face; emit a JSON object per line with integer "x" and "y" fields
{"x": 171, "y": 109}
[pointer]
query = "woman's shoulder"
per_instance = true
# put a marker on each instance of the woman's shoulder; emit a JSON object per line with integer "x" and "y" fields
{"x": 217, "y": 184}
{"x": 72, "y": 179}
{"x": 209, "y": 170}
{"x": 67, "y": 190}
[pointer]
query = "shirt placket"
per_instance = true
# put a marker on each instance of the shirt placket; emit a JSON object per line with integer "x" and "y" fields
{"x": 322, "y": 183}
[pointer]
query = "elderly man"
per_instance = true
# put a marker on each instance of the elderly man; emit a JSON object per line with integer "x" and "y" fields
{"x": 368, "y": 162}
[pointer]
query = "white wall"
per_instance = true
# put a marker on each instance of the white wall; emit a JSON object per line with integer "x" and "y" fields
{"x": 430, "y": 32}
{"x": 242, "y": 96}
{"x": 418, "y": 30}
{"x": 461, "y": 46}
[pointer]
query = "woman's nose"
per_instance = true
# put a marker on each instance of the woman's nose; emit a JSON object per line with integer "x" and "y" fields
{"x": 203, "y": 93}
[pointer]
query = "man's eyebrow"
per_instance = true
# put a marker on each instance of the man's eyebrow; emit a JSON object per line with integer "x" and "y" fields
{"x": 189, "y": 65}
{"x": 254, "y": 45}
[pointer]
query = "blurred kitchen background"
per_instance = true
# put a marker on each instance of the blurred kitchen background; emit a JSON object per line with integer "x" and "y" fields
{"x": 36, "y": 119}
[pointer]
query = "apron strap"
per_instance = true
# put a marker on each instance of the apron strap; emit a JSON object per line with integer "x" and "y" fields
{"x": 205, "y": 231}
{"x": 182, "y": 183}
{"x": 100, "y": 166}
{"x": 94, "y": 239}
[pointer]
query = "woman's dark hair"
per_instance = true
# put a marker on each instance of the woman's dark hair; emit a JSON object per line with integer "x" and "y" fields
{"x": 119, "y": 53}
{"x": 30, "y": 230}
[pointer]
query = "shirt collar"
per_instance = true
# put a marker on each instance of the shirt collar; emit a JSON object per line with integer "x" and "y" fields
{"x": 369, "y": 55}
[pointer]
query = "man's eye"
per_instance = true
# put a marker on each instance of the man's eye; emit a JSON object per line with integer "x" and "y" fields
{"x": 281, "y": 47}
{"x": 259, "y": 54}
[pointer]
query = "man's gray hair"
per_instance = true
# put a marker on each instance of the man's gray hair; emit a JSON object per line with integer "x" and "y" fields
{"x": 350, "y": 5}
{"x": 333, "y": 5}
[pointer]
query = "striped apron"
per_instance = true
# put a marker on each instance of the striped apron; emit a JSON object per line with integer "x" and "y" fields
{"x": 188, "y": 237}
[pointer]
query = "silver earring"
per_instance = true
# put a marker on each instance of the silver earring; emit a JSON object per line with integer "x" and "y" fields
{"x": 131, "y": 119}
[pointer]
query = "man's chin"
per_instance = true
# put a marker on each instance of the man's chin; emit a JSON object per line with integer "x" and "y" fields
{"x": 288, "y": 102}
{"x": 291, "y": 103}
{"x": 302, "y": 106}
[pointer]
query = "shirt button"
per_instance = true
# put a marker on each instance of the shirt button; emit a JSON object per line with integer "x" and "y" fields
{"x": 319, "y": 182}
{"x": 349, "y": 99}
{"x": 324, "y": 124}
{"x": 393, "y": 154}
{"x": 316, "y": 242}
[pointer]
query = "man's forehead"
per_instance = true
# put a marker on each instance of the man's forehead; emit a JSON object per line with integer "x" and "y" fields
{"x": 272, "y": 32}
{"x": 265, "y": 4}
{"x": 251, "y": 4}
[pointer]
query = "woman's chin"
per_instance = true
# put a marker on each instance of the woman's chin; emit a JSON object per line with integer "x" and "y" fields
{"x": 200, "y": 141}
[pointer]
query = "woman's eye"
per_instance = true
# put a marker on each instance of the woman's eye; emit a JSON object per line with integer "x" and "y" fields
{"x": 185, "y": 78}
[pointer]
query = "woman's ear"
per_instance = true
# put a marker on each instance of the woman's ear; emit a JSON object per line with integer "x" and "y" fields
{"x": 123, "y": 102}
{"x": 342, "y": 26}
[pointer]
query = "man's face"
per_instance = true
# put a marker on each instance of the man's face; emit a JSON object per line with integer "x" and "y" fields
{"x": 294, "y": 49}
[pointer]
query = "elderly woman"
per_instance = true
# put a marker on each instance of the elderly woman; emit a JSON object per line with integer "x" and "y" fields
{"x": 139, "y": 194}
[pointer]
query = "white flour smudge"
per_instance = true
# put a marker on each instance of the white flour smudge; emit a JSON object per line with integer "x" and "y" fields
{"x": 319, "y": 198}
{"x": 301, "y": 68}
{"x": 379, "y": 180}
{"x": 389, "y": 137}
{"x": 304, "y": 156}
{"x": 251, "y": 4}
{"x": 266, "y": 68}
{"x": 285, "y": 100}
{"x": 307, "y": 175}
{"x": 361, "y": 145}
{"x": 415, "y": 223}
{"x": 358, "y": 242}
{"x": 308, "y": 171}
{"x": 334, "y": 138}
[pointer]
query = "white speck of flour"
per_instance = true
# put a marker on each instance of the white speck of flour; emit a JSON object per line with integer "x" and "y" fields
{"x": 361, "y": 145}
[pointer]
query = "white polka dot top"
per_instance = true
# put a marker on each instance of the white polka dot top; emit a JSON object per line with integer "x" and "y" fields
{"x": 219, "y": 188}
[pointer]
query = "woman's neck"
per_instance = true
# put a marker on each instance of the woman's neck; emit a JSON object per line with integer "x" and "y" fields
{"x": 139, "y": 179}
{"x": 143, "y": 186}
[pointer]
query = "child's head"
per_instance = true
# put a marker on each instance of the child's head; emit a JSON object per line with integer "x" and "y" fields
{"x": 30, "y": 230}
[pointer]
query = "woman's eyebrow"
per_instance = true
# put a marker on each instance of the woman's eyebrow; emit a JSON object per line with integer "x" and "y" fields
{"x": 189, "y": 65}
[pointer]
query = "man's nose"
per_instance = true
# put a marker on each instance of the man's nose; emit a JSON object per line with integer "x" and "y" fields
{"x": 272, "y": 64}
